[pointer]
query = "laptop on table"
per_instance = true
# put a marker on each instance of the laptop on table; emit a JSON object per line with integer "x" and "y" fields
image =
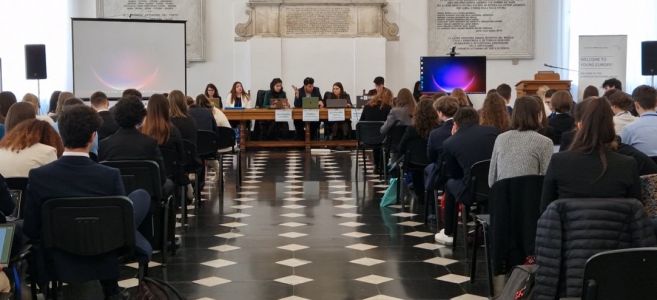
{"x": 310, "y": 103}
{"x": 336, "y": 103}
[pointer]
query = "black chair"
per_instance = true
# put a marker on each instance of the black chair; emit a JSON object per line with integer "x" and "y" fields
{"x": 87, "y": 227}
{"x": 392, "y": 141}
{"x": 509, "y": 231}
{"x": 479, "y": 190}
{"x": 174, "y": 164}
{"x": 207, "y": 143}
{"x": 193, "y": 165}
{"x": 17, "y": 187}
{"x": 368, "y": 134}
{"x": 621, "y": 274}
{"x": 145, "y": 174}
{"x": 227, "y": 145}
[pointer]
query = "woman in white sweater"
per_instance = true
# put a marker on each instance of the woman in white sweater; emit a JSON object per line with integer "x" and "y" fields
{"x": 621, "y": 104}
{"x": 31, "y": 144}
{"x": 521, "y": 150}
{"x": 237, "y": 98}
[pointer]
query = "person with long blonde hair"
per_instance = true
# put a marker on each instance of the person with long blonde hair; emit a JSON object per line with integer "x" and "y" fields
{"x": 238, "y": 97}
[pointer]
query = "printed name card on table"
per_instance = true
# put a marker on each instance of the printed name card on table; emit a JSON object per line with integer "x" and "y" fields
{"x": 311, "y": 115}
{"x": 283, "y": 115}
{"x": 336, "y": 114}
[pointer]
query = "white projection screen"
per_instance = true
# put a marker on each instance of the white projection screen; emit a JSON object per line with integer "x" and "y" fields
{"x": 111, "y": 55}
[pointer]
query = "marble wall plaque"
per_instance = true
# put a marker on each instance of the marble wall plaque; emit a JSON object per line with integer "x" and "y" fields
{"x": 317, "y": 18}
{"x": 498, "y": 29}
{"x": 188, "y": 10}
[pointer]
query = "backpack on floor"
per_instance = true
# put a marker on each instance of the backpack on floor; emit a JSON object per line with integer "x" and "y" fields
{"x": 155, "y": 289}
{"x": 390, "y": 196}
{"x": 520, "y": 284}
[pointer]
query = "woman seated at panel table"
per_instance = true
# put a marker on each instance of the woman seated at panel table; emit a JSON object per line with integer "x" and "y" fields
{"x": 237, "y": 98}
{"x": 270, "y": 130}
{"x": 213, "y": 95}
{"x": 339, "y": 130}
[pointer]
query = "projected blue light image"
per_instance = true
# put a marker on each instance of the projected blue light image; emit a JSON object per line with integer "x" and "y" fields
{"x": 444, "y": 74}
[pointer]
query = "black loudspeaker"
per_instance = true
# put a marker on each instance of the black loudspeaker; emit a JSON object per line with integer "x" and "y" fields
{"x": 35, "y": 62}
{"x": 649, "y": 58}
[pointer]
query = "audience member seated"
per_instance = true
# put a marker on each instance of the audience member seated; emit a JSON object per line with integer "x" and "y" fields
{"x": 32, "y": 143}
{"x": 52, "y": 104}
{"x": 621, "y": 104}
{"x": 339, "y": 130}
{"x": 469, "y": 143}
{"x": 75, "y": 175}
{"x": 202, "y": 116}
{"x": 642, "y": 133}
{"x": 495, "y": 113}
{"x": 158, "y": 126}
{"x": 7, "y": 99}
{"x": 128, "y": 143}
{"x": 591, "y": 168}
{"x": 414, "y": 142}
{"x": 180, "y": 118}
{"x": 63, "y": 96}
{"x": 379, "y": 87}
{"x": 462, "y": 97}
{"x": 237, "y": 98}
{"x": 17, "y": 113}
{"x": 402, "y": 111}
{"x": 308, "y": 90}
{"x": 522, "y": 150}
{"x": 34, "y": 100}
{"x": 446, "y": 107}
{"x": 504, "y": 90}
{"x": 548, "y": 100}
{"x": 100, "y": 103}
{"x": 612, "y": 84}
{"x": 560, "y": 120}
{"x": 590, "y": 91}
{"x": 213, "y": 95}
{"x": 218, "y": 115}
{"x": 645, "y": 164}
{"x": 377, "y": 109}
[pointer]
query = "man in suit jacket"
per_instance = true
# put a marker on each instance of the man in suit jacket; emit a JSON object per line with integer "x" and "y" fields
{"x": 469, "y": 144}
{"x": 128, "y": 143}
{"x": 308, "y": 90}
{"x": 76, "y": 175}
{"x": 100, "y": 103}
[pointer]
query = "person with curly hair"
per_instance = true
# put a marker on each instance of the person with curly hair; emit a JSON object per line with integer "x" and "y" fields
{"x": 414, "y": 143}
{"x": 494, "y": 113}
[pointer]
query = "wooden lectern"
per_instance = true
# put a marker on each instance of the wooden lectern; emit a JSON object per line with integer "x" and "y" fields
{"x": 549, "y": 78}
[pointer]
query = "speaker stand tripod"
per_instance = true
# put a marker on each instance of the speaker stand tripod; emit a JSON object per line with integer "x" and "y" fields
{"x": 39, "y": 89}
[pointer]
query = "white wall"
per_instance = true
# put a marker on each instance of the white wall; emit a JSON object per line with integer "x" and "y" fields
{"x": 228, "y": 61}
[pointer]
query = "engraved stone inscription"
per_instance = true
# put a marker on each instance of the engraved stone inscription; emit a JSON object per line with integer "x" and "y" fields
{"x": 319, "y": 20}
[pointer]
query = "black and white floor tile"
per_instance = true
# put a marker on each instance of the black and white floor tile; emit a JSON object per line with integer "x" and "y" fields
{"x": 301, "y": 227}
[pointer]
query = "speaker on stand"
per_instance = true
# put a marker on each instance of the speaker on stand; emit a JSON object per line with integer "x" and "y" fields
{"x": 649, "y": 59}
{"x": 35, "y": 64}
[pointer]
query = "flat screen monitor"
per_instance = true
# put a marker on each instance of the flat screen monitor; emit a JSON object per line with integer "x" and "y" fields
{"x": 111, "y": 55}
{"x": 445, "y": 73}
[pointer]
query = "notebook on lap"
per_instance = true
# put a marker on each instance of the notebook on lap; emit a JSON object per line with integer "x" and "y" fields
{"x": 310, "y": 103}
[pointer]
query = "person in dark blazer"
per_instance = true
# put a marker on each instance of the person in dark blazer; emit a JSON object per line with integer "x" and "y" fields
{"x": 128, "y": 143}
{"x": 76, "y": 175}
{"x": 591, "y": 169}
{"x": 100, "y": 103}
{"x": 377, "y": 109}
{"x": 561, "y": 120}
{"x": 446, "y": 107}
{"x": 180, "y": 118}
{"x": 469, "y": 144}
{"x": 308, "y": 90}
{"x": 203, "y": 117}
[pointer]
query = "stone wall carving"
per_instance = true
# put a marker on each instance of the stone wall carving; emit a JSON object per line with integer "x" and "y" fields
{"x": 315, "y": 18}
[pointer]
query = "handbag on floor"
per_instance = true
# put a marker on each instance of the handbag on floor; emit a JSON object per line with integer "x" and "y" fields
{"x": 520, "y": 283}
{"x": 390, "y": 196}
{"x": 155, "y": 289}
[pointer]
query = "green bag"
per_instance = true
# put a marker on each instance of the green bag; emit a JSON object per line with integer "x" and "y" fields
{"x": 390, "y": 196}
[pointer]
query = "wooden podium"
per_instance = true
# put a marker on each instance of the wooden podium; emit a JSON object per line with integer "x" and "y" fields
{"x": 549, "y": 78}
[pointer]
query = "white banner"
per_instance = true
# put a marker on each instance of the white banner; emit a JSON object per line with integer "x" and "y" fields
{"x": 601, "y": 57}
